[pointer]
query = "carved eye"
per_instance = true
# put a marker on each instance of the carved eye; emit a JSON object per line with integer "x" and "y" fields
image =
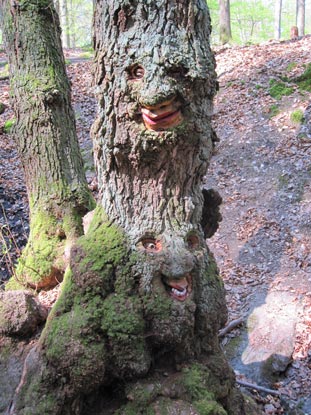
{"x": 136, "y": 72}
{"x": 177, "y": 72}
{"x": 193, "y": 241}
{"x": 151, "y": 245}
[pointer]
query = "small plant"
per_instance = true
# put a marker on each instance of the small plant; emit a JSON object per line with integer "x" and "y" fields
{"x": 297, "y": 116}
{"x": 274, "y": 110}
{"x": 2, "y": 108}
{"x": 8, "y": 125}
{"x": 279, "y": 89}
{"x": 291, "y": 66}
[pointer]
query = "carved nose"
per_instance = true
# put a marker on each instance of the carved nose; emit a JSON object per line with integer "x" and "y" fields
{"x": 178, "y": 267}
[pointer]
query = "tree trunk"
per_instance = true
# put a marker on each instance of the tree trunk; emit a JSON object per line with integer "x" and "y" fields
{"x": 135, "y": 328}
{"x": 300, "y": 17}
{"x": 277, "y": 19}
{"x": 224, "y": 22}
{"x": 57, "y": 8}
{"x": 72, "y": 19}
{"x": 64, "y": 22}
{"x": 46, "y": 140}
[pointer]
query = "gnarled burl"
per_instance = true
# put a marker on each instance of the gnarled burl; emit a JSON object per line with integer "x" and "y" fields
{"x": 135, "y": 328}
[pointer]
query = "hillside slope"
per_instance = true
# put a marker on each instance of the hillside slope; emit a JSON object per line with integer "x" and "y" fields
{"x": 262, "y": 169}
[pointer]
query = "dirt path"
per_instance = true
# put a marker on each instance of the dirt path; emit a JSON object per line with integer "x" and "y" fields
{"x": 262, "y": 169}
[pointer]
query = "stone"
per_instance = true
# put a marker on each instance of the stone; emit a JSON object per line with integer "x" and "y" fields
{"x": 271, "y": 336}
{"x": 20, "y": 313}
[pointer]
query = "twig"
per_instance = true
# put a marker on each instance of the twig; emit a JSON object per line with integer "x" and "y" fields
{"x": 259, "y": 388}
{"x": 233, "y": 324}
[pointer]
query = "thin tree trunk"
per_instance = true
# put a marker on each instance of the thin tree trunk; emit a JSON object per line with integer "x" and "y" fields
{"x": 277, "y": 19}
{"x": 224, "y": 22}
{"x": 46, "y": 139}
{"x": 300, "y": 16}
{"x": 57, "y": 8}
{"x": 64, "y": 22}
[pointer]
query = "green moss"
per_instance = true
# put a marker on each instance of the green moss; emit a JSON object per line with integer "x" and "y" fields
{"x": 199, "y": 385}
{"x": 142, "y": 394}
{"x": 195, "y": 380}
{"x": 304, "y": 80}
{"x": 44, "y": 248}
{"x": 122, "y": 317}
{"x": 297, "y": 116}
{"x": 14, "y": 285}
{"x": 206, "y": 407}
{"x": 104, "y": 246}
{"x": 279, "y": 89}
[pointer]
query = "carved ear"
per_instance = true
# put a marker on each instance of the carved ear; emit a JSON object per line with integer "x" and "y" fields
{"x": 211, "y": 213}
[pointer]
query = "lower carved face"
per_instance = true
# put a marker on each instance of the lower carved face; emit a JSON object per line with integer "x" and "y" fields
{"x": 170, "y": 268}
{"x": 173, "y": 261}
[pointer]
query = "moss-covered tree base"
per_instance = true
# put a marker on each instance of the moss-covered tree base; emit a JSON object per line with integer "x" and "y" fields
{"x": 111, "y": 346}
{"x": 46, "y": 255}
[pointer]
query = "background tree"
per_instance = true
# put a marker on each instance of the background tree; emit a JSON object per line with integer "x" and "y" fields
{"x": 142, "y": 296}
{"x": 46, "y": 140}
{"x": 224, "y": 21}
{"x": 277, "y": 19}
{"x": 300, "y": 16}
{"x": 64, "y": 18}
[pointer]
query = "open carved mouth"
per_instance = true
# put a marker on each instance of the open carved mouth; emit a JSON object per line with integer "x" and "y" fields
{"x": 163, "y": 116}
{"x": 179, "y": 289}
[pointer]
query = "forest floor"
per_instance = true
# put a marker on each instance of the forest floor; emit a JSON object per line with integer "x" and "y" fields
{"x": 262, "y": 169}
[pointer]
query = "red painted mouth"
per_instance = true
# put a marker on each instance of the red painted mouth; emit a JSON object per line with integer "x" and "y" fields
{"x": 179, "y": 289}
{"x": 163, "y": 116}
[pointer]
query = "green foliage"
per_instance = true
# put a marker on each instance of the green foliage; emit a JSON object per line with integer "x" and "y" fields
{"x": 304, "y": 80}
{"x": 297, "y": 116}
{"x": 8, "y": 125}
{"x": 255, "y": 23}
{"x": 274, "y": 110}
{"x": 279, "y": 89}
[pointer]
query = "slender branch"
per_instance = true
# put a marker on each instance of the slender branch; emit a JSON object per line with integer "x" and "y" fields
{"x": 259, "y": 388}
{"x": 233, "y": 324}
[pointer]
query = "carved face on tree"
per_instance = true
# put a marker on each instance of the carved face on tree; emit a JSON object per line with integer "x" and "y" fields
{"x": 156, "y": 79}
{"x": 153, "y": 139}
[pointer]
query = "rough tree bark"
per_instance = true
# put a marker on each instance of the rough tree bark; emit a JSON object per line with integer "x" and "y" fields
{"x": 224, "y": 22}
{"x": 135, "y": 328}
{"x": 46, "y": 140}
{"x": 300, "y": 16}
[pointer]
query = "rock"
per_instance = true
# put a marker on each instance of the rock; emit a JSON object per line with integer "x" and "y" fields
{"x": 20, "y": 313}
{"x": 12, "y": 356}
{"x": 271, "y": 336}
